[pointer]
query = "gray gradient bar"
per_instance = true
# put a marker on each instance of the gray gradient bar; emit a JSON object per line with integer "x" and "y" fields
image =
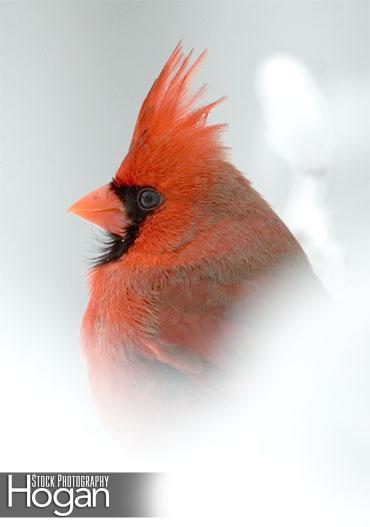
{"x": 78, "y": 494}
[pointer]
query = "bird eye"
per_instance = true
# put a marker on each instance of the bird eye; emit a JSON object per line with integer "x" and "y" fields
{"x": 149, "y": 199}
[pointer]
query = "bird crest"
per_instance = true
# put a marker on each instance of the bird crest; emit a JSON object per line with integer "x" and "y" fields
{"x": 171, "y": 121}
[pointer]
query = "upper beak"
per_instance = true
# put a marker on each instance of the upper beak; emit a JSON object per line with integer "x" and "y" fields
{"x": 102, "y": 208}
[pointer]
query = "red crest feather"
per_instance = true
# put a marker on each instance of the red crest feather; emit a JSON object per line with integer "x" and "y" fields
{"x": 170, "y": 116}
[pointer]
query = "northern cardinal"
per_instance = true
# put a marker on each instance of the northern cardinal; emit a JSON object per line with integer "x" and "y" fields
{"x": 190, "y": 244}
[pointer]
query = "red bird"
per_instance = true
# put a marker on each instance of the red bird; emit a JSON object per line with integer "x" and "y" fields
{"x": 191, "y": 243}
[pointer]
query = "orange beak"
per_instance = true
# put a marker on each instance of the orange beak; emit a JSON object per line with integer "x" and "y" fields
{"x": 102, "y": 208}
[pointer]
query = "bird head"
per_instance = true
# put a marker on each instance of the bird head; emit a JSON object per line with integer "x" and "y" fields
{"x": 159, "y": 194}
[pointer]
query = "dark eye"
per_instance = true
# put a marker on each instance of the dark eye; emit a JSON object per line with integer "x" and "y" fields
{"x": 149, "y": 199}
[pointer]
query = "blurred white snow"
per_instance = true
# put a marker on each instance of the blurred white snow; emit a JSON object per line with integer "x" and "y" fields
{"x": 295, "y": 448}
{"x": 299, "y": 129}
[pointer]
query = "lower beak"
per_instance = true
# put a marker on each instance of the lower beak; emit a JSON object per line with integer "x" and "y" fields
{"x": 102, "y": 208}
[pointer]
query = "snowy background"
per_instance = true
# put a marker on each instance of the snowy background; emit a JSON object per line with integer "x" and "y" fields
{"x": 296, "y": 74}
